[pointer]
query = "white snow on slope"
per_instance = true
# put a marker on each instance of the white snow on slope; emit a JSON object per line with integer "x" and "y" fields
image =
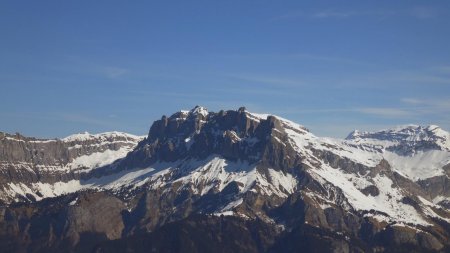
{"x": 133, "y": 178}
{"x": 286, "y": 122}
{"x": 98, "y": 159}
{"x": 305, "y": 141}
{"x": 421, "y": 165}
{"x": 216, "y": 173}
{"x": 417, "y": 165}
{"x": 403, "y": 135}
{"x": 101, "y": 136}
{"x": 44, "y": 189}
{"x": 199, "y": 110}
{"x": 388, "y": 201}
{"x": 82, "y": 163}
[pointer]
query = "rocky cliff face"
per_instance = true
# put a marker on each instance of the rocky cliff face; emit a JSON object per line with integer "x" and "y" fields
{"x": 233, "y": 135}
{"x": 27, "y": 163}
{"x": 248, "y": 183}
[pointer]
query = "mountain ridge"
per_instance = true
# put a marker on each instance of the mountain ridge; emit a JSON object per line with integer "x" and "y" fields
{"x": 263, "y": 167}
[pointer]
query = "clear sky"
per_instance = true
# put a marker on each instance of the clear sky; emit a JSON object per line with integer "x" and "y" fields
{"x": 333, "y": 66}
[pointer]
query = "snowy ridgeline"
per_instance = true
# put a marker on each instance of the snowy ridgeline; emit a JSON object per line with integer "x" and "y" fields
{"x": 86, "y": 151}
{"x": 106, "y": 136}
{"x": 107, "y": 156}
{"x": 215, "y": 173}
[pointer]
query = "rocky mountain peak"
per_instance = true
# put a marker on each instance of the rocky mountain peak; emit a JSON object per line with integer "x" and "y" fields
{"x": 234, "y": 134}
{"x": 190, "y": 123}
{"x": 199, "y": 110}
{"x": 410, "y": 138}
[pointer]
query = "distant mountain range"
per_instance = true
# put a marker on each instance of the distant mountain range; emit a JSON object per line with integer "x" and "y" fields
{"x": 227, "y": 181}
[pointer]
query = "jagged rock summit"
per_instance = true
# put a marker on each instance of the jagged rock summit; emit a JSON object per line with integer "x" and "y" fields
{"x": 268, "y": 179}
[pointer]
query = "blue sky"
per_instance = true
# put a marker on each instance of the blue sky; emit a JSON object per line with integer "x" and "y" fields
{"x": 68, "y": 67}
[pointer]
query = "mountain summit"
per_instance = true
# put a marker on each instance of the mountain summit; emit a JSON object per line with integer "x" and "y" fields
{"x": 264, "y": 179}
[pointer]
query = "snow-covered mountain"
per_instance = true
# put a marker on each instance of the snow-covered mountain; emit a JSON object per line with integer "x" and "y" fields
{"x": 33, "y": 168}
{"x": 369, "y": 192}
{"x": 406, "y": 139}
{"x": 420, "y": 152}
